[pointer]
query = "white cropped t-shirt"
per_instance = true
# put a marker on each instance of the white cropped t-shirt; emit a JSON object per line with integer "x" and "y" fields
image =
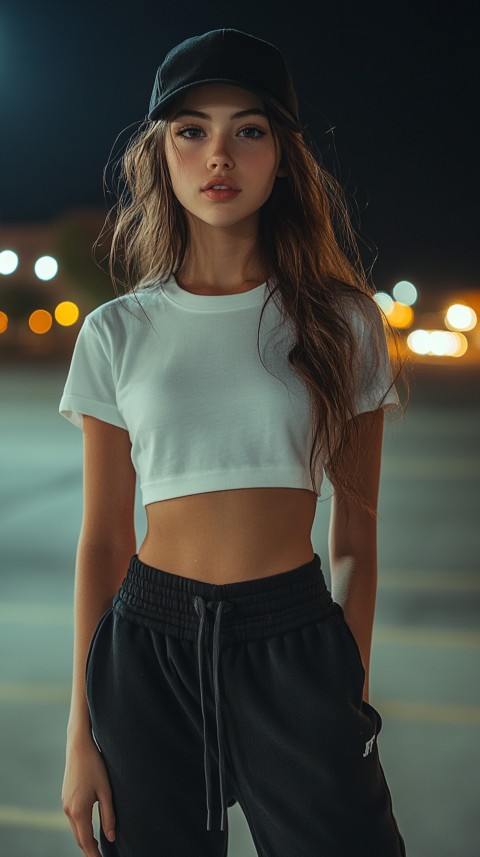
{"x": 202, "y": 411}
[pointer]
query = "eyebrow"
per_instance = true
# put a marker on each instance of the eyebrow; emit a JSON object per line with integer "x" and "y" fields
{"x": 239, "y": 115}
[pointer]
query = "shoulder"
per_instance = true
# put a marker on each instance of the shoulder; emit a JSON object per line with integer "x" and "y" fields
{"x": 360, "y": 310}
{"x": 352, "y": 297}
{"x": 366, "y": 321}
{"x": 128, "y": 305}
{"x": 125, "y": 315}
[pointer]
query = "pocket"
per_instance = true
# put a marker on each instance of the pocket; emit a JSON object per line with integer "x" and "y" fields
{"x": 374, "y": 715}
{"x": 94, "y": 637}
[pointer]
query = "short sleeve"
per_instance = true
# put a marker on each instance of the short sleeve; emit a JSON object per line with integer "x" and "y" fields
{"x": 89, "y": 388}
{"x": 373, "y": 386}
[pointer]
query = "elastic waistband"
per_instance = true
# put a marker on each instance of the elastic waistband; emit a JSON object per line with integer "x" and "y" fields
{"x": 258, "y": 608}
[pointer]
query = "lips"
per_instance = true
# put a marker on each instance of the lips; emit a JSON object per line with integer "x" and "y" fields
{"x": 220, "y": 181}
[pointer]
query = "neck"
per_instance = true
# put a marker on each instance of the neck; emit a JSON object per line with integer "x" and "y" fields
{"x": 221, "y": 259}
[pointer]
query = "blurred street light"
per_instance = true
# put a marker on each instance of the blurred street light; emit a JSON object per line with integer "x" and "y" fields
{"x": 440, "y": 343}
{"x": 8, "y": 262}
{"x": 401, "y": 315}
{"x": 405, "y": 292}
{"x": 40, "y": 321}
{"x": 384, "y": 301}
{"x": 460, "y": 317}
{"x": 46, "y": 267}
{"x": 66, "y": 313}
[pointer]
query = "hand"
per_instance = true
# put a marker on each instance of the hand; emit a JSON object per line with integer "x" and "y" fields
{"x": 86, "y": 781}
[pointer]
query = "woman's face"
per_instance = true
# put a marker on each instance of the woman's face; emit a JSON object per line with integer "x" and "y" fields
{"x": 241, "y": 149}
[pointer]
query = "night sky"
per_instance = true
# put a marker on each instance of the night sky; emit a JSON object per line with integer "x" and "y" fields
{"x": 389, "y": 93}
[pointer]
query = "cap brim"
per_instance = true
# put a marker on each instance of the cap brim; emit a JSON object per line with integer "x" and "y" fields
{"x": 159, "y": 110}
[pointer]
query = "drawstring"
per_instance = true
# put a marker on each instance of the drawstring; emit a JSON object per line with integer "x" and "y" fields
{"x": 219, "y": 607}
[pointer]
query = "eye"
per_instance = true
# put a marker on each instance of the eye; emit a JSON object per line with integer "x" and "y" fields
{"x": 183, "y": 131}
{"x": 254, "y": 128}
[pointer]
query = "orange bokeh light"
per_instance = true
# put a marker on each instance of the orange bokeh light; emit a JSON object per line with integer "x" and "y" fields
{"x": 401, "y": 315}
{"x": 40, "y": 321}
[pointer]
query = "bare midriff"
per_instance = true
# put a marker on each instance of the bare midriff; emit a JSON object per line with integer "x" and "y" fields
{"x": 230, "y": 536}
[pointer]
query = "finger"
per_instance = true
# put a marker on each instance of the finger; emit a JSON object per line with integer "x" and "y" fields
{"x": 84, "y": 836}
{"x": 89, "y": 846}
{"x": 74, "y": 829}
{"x": 107, "y": 817}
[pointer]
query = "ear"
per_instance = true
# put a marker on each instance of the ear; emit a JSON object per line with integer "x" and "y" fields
{"x": 281, "y": 173}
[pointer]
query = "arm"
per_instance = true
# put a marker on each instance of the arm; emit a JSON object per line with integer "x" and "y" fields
{"x": 353, "y": 545}
{"x": 107, "y": 540}
{"x": 106, "y": 543}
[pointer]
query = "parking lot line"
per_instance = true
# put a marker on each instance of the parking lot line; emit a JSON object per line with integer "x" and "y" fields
{"x": 19, "y": 816}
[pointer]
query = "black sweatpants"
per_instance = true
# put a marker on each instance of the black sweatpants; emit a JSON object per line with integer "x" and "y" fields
{"x": 202, "y": 695}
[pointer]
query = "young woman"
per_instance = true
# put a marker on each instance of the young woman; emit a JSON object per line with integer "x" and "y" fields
{"x": 246, "y": 358}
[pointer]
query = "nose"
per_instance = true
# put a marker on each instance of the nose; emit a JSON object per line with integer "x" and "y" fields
{"x": 220, "y": 156}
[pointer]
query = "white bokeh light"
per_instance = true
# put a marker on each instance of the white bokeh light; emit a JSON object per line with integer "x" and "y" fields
{"x": 405, "y": 292}
{"x": 419, "y": 341}
{"x": 46, "y": 267}
{"x": 384, "y": 301}
{"x": 461, "y": 317}
{"x": 8, "y": 262}
{"x": 439, "y": 343}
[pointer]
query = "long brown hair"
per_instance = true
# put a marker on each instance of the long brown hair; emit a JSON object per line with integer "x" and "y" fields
{"x": 301, "y": 229}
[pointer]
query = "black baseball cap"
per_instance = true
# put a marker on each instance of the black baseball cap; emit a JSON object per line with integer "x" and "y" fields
{"x": 226, "y": 56}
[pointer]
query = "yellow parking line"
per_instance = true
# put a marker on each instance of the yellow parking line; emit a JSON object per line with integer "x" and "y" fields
{"x": 17, "y": 613}
{"x": 427, "y": 580}
{"x": 18, "y": 816}
{"x": 412, "y": 467}
{"x": 25, "y": 692}
{"x": 439, "y": 637}
{"x": 429, "y": 712}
